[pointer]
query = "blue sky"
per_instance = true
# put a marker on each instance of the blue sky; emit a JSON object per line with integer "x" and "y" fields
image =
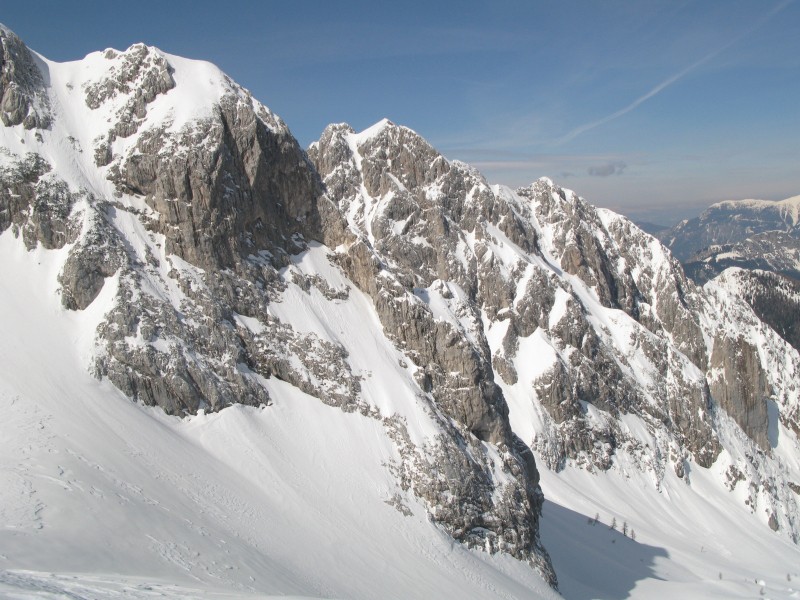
{"x": 653, "y": 108}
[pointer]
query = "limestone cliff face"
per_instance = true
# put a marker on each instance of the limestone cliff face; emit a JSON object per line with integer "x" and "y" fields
{"x": 202, "y": 235}
{"x": 227, "y": 183}
{"x": 394, "y": 166}
{"x": 740, "y": 386}
{"x": 234, "y": 185}
{"x": 23, "y": 96}
{"x": 426, "y": 233}
{"x": 753, "y": 368}
{"x": 534, "y": 295}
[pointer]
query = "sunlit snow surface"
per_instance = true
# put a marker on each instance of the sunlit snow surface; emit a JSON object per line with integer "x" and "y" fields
{"x": 102, "y": 498}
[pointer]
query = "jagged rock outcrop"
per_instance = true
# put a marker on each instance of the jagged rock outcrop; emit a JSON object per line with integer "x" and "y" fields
{"x": 570, "y": 306}
{"x": 35, "y": 203}
{"x": 235, "y": 184}
{"x": 133, "y": 79}
{"x": 94, "y": 256}
{"x": 394, "y": 165}
{"x": 23, "y": 94}
{"x": 774, "y": 298}
{"x": 401, "y": 267}
{"x": 432, "y": 239}
{"x": 196, "y": 257}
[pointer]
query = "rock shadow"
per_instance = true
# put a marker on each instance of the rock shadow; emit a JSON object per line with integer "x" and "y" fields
{"x": 773, "y": 421}
{"x": 594, "y": 561}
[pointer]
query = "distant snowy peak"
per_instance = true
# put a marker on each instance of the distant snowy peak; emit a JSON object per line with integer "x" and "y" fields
{"x": 732, "y": 218}
{"x": 789, "y": 206}
{"x": 753, "y": 234}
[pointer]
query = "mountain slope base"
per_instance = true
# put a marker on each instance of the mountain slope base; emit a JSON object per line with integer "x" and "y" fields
{"x": 103, "y": 497}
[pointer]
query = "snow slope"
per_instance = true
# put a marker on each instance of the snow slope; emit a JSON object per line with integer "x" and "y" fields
{"x": 691, "y": 540}
{"x": 103, "y": 498}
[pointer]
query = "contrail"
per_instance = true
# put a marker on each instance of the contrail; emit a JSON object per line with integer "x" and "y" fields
{"x": 668, "y": 82}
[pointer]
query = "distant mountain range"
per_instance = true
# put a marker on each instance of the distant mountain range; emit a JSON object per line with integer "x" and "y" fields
{"x": 752, "y": 234}
{"x": 760, "y": 238}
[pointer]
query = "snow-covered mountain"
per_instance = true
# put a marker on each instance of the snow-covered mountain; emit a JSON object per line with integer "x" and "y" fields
{"x": 750, "y": 234}
{"x": 774, "y": 298}
{"x": 358, "y": 370}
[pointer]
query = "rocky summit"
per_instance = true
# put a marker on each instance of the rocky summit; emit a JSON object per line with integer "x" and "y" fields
{"x": 487, "y": 333}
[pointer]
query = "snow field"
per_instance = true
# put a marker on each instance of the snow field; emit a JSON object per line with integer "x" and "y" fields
{"x": 102, "y": 498}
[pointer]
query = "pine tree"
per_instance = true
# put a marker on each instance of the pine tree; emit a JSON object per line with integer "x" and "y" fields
{"x": 613, "y": 523}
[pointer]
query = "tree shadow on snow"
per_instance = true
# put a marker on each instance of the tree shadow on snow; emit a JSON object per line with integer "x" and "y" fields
{"x": 594, "y": 561}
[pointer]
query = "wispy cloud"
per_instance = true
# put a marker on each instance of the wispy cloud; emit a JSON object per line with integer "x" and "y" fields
{"x": 315, "y": 44}
{"x": 522, "y": 169}
{"x": 572, "y": 164}
{"x": 612, "y": 168}
{"x": 670, "y": 80}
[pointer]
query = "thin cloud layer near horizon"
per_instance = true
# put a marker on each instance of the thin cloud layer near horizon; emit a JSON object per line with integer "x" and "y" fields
{"x": 655, "y": 109}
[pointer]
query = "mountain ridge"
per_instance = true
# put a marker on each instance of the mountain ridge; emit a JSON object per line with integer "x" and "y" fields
{"x": 752, "y": 234}
{"x": 487, "y": 332}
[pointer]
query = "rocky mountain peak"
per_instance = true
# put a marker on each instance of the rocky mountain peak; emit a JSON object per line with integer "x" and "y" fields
{"x": 140, "y": 70}
{"x": 388, "y": 156}
{"x": 23, "y": 96}
{"x": 499, "y": 268}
